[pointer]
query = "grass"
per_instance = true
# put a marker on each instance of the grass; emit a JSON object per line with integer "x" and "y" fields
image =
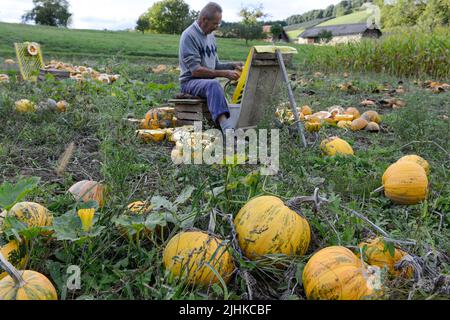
{"x": 355, "y": 17}
{"x": 114, "y": 267}
{"x": 102, "y": 44}
{"x": 403, "y": 53}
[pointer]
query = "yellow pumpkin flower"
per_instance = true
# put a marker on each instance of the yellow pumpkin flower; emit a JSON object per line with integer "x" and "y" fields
{"x": 87, "y": 218}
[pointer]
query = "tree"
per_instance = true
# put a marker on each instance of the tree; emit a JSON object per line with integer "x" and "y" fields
{"x": 250, "y": 29}
{"x": 401, "y": 13}
{"x": 250, "y": 32}
{"x": 170, "y": 16}
{"x": 49, "y": 12}
{"x": 325, "y": 36}
{"x": 276, "y": 30}
{"x": 143, "y": 24}
{"x": 436, "y": 13}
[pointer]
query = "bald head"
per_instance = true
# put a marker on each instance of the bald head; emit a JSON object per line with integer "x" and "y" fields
{"x": 210, "y": 18}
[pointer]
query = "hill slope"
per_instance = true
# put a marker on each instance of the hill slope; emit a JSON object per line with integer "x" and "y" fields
{"x": 96, "y": 43}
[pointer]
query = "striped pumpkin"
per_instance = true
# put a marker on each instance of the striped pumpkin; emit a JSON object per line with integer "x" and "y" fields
{"x": 12, "y": 251}
{"x": 335, "y": 273}
{"x": 25, "y": 285}
{"x": 31, "y": 213}
{"x": 194, "y": 254}
{"x": 377, "y": 254}
{"x": 136, "y": 208}
{"x": 265, "y": 225}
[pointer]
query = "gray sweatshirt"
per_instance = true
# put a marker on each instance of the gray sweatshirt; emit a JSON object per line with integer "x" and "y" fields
{"x": 198, "y": 49}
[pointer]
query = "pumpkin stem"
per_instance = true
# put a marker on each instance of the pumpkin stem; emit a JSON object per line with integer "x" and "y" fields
{"x": 13, "y": 272}
{"x": 378, "y": 190}
{"x": 316, "y": 198}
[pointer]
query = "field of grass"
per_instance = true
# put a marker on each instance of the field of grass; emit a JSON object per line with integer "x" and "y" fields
{"x": 107, "y": 150}
{"x": 355, "y": 17}
{"x": 101, "y": 44}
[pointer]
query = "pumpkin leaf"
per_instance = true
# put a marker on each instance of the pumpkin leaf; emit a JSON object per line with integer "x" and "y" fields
{"x": 10, "y": 193}
{"x": 161, "y": 202}
{"x": 14, "y": 228}
{"x": 155, "y": 219}
{"x": 68, "y": 227}
{"x": 391, "y": 248}
{"x": 185, "y": 195}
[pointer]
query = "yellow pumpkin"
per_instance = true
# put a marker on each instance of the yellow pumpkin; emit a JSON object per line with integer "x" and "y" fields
{"x": 405, "y": 182}
{"x": 25, "y": 105}
{"x": 371, "y": 116}
{"x": 31, "y": 213}
{"x": 136, "y": 208}
{"x": 377, "y": 254}
{"x": 155, "y": 118}
{"x": 335, "y": 273}
{"x": 32, "y": 49}
{"x": 13, "y": 252}
{"x": 353, "y": 111}
{"x": 190, "y": 254}
{"x": 344, "y": 124}
{"x": 359, "y": 124}
{"x": 61, "y": 106}
{"x": 335, "y": 145}
{"x": 311, "y": 119}
{"x": 343, "y": 117}
{"x": 312, "y": 126}
{"x": 306, "y": 110}
{"x": 25, "y": 285}
{"x": 417, "y": 159}
{"x": 330, "y": 121}
{"x": 156, "y": 135}
{"x": 87, "y": 190}
{"x": 265, "y": 225}
{"x": 372, "y": 127}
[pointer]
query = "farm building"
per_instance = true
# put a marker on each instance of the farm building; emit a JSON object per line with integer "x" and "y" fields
{"x": 340, "y": 33}
{"x": 283, "y": 37}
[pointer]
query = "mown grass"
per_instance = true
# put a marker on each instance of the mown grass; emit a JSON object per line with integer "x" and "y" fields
{"x": 101, "y": 44}
{"x": 355, "y": 17}
{"x": 117, "y": 268}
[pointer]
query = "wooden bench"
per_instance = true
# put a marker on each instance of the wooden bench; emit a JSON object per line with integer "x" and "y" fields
{"x": 189, "y": 109}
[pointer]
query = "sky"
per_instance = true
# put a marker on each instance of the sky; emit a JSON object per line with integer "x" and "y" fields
{"x": 120, "y": 14}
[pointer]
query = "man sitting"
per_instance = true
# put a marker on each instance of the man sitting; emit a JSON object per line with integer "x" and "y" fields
{"x": 200, "y": 65}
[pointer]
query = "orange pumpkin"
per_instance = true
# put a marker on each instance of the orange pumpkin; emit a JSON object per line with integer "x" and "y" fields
{"x": 87, "y": 190}
{"x": 405, "y": 182}
{"x": 335, "y": 273}
{"x": 377, "y": 254}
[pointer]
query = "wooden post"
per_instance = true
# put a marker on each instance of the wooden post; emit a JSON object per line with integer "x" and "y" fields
{"x": 291, "y": 97}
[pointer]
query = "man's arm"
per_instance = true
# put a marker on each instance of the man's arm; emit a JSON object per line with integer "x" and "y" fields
{"x": 191, "y": 57}
{"x": 202, "y": 72}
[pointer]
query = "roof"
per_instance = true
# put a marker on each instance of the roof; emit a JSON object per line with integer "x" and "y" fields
{"x": 336, "y": 30}
{"x": 267, "y": 28}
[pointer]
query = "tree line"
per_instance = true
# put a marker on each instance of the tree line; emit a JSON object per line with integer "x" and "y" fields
{"x": 173, "y": 16}
{"x": 332, "y": 11}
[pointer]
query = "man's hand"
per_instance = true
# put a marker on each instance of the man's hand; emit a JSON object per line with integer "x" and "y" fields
{"x": 232, "y": 75}
{"x": 239, "y": 66}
